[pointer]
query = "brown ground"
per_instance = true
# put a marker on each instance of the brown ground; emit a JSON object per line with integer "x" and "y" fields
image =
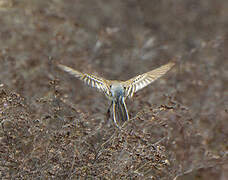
{"x": 54, "y": 127}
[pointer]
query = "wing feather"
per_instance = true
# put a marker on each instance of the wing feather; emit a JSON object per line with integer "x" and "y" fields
{"x": 89, "y": 79}
{"x": 145, "y": 79}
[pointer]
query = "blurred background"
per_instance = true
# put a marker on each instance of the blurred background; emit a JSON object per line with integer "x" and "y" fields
{"x": 53, "y": 126}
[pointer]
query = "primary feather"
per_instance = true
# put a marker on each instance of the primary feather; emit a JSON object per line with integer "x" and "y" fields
{"x": 136, "y": 83}
{"x": 91, "y": 80}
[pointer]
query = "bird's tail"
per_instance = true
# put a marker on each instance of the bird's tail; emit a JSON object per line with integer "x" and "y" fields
{"x": 120, "y": 112}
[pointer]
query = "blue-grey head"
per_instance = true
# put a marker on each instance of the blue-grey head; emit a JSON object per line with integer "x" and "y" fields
{"x": 117, "y": 90}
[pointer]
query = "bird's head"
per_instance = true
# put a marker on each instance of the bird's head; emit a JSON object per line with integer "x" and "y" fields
{"x": 117, "y": 90}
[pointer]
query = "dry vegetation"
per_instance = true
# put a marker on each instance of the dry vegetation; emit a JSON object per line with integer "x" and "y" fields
{"x": 54, "y": 127}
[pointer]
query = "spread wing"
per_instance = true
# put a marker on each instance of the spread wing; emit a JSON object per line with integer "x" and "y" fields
{"x": 141, "y": 81}
{"x": 89, "y": 79}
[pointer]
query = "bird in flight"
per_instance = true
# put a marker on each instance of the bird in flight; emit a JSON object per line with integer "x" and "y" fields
{"x": 119, "y": 91}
